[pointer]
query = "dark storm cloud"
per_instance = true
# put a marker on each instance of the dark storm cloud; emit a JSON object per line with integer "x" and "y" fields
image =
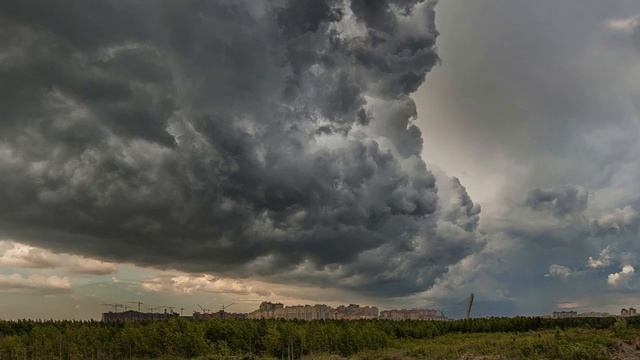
{"x": 560, "y": 201}
{"x": 271, "y": 139}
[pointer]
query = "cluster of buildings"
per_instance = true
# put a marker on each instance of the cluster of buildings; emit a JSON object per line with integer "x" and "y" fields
{"x": 270, "y": 310}
{"x": 355, "y": 312}
{"x": 411, "y": 314}
{"x": 573, "y": 314}
{"x": 628, "y": 312}
{"x": 131, "y": 315}
{"x": 220, "y": 315}
{"x": 595, "y": 314}
{"x": 564, "y": 314}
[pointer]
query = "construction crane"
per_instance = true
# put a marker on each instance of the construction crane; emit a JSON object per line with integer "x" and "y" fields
{"x": 138, "y": 303}
{"x": 115, "y": 306}
{"x": 224, "y": 307}
{"x": 469, "y": 305}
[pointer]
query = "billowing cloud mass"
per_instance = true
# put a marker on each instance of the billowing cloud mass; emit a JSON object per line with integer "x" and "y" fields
{"x": 560, "y": 201}
{"x": 266, "y": 139}
{"x": 623, "y": 277}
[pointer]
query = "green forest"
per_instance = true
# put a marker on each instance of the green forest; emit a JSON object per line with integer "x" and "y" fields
{"x": 279, "y": 339}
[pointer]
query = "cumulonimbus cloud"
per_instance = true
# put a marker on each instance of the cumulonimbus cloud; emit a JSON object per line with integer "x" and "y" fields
{"x": 268, "y": 139}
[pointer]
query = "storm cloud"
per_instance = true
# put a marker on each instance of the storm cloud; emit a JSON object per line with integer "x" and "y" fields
{"x": 564, "y": 200}
{"x": 264, "y": 139}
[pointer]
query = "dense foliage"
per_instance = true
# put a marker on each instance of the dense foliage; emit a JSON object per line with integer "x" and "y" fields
{"x": 246, "y": 338}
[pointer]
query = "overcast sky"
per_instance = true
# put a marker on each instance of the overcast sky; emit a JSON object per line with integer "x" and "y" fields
{"x": 396, "y": 153}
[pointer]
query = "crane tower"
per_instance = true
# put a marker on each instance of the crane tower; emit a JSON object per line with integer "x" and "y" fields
{"x": 469, "y": 305}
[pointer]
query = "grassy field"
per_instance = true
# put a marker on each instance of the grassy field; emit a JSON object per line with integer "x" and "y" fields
{"x": 476, "y": 339}
{"x": 571, "y": 344}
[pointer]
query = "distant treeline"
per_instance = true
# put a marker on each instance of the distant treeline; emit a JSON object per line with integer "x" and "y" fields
{"x": 245, "y": 338}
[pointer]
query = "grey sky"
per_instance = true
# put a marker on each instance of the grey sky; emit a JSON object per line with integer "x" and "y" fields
{"x": 535, "y": 100}
{"x": 274, "y": 145}
{"x": 542, "y": 88}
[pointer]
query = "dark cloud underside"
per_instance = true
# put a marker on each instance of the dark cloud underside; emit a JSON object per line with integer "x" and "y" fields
{"x": 270, "y": 139}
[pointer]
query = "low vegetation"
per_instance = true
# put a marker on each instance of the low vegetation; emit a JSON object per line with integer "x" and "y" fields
{"x": 570, "y": 344}
{"x": 495, "y": 338}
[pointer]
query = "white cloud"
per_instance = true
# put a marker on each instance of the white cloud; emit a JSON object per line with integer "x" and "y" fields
{"x": 568, "y": 305}
{"x": 17, "y": 283}
{"x": 559, "y": 271}
{"x": 602, "y": 261}
{"x": 626, "y": 25}
{"x": 618, "y": 219}
{"x": 13, "y": 254}
{"x": 201, "y": 283}
{"x": 623, "y": 277}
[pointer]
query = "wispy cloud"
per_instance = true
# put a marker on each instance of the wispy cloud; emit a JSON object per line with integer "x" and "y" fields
{"x": 35, "y": 282}
{"x": 202, "y": 283}
{"x": 17, "y": 255}
{"x": 625, "y": 25}
{"x": 559, "y": 271}
{"x": 602, "y": 261}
